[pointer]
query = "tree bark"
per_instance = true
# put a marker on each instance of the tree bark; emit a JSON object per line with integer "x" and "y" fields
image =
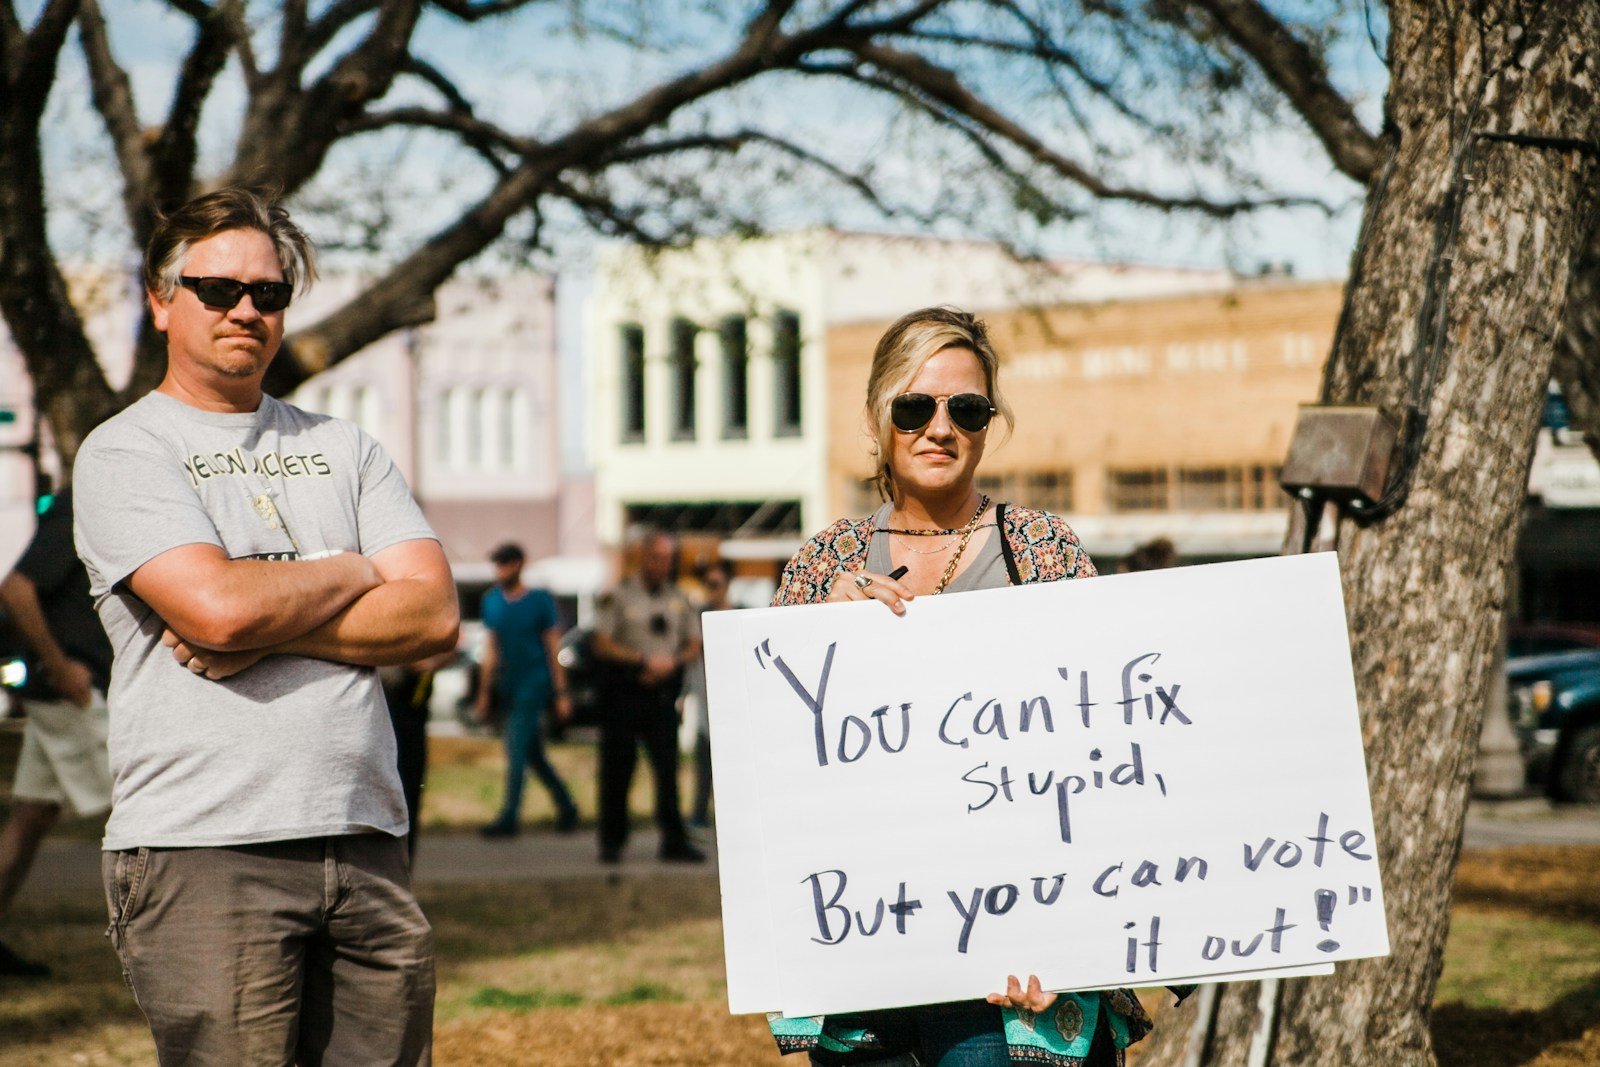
{"x": 1424, "y": 587}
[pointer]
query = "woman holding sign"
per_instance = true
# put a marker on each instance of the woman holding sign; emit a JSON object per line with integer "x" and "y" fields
{"x": 931, "y": 397}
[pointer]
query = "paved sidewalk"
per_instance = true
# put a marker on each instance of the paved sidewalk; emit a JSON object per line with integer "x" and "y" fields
{"x": 442, "y": 859}
{"x": 1530, "y": 822}
{"x": 446, "y": 858}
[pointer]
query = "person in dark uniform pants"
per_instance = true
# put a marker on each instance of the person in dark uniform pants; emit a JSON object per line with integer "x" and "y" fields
{"x": 648, "y": 632}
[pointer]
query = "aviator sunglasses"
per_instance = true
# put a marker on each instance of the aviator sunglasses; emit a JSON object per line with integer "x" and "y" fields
{"x": 224, "y": 293}
{"x": 912, "y": 411}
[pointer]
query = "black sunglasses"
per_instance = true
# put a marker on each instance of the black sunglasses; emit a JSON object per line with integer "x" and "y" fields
{"x": 224, "y": 293}
{"x": 912, "y": 411}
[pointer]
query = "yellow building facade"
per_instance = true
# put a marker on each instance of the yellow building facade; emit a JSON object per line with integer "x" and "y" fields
{"x": 1166, "y": 416}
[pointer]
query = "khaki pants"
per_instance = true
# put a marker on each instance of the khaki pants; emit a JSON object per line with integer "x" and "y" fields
{"x": 294, "y": 952}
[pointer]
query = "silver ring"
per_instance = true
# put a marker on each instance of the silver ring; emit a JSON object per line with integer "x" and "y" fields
{"x": 862, "y": 581}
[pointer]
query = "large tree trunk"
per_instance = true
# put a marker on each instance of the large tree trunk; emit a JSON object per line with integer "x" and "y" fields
{"x": 1424, "y": 587}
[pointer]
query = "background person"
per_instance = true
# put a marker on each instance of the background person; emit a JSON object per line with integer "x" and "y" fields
{"x": 932, "y": 392}
{"x": 521, "y": 665}
{"x": 1151, "y": 556}
{"x": 408, "y": 691}
{"x": 63, "y": 758}
{"x": 252, "y": 562}
{"x": 647, "y": 633}
{"x": 714, "y": 579}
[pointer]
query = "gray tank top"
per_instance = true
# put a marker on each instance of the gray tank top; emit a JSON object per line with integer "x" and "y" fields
{"x": 987, "y": 570}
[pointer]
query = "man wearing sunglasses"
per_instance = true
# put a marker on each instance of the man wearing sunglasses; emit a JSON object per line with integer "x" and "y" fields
{"x": 252, "y": 562}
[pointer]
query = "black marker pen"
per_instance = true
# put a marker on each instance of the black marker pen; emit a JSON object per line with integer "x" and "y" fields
{"x": 898, "y": 573}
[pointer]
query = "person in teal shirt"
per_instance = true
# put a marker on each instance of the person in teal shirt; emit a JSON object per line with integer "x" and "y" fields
{"x": 520, "y": 665}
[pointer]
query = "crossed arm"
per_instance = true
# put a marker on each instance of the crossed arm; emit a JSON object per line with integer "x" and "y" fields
{"x": 224, "y": 615}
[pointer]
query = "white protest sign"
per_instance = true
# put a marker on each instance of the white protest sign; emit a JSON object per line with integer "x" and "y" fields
{"x": 1128, "y": 780}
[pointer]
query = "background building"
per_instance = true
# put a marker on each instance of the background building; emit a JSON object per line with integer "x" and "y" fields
{"x": 1138, "y": 417}
{"x": 716, "y": 395}
{"x": 468, "y": 405}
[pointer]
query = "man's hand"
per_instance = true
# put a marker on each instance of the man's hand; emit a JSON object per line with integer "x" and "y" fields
{"x": 658, "y": 669}
{"x": 208, "y": 663}
{"x": 70, "y": 679}
{"x": 480, "y": 706}
{"x": 563, "y": 707}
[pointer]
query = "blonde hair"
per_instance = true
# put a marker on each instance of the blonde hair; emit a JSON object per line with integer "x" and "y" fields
{"x": 902, "y": 352}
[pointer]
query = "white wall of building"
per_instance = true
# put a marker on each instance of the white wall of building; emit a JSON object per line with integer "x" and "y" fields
{"x": 754, "y": 279}
{"x": 827, "y": 277}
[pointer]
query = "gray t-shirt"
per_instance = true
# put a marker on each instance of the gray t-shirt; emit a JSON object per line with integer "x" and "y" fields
{"x": 292, "y": 747}
{"x": 986, "y": 571}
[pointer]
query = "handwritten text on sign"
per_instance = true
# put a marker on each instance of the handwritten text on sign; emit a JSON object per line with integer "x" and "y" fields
{"x": 1125, "y": 780}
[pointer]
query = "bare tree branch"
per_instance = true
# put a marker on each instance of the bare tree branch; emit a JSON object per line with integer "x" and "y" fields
{"x": 439, "y": 81}
{"x": 405, "y": 292}
{"x": 324, "y": 28}
{"x": 112, "y": 94}
{"x": 941, "y": 85}
{"x": 1297, "y": 71}
{"x": 68, "y": 384}
{"x": 470, "y": 11}
{"x": 288, "y": 131}
{"x": 195, "y": 9}
{"x": 174, "y": 152}
{"x": 482, "y": 137}
{"x": 1040, "y": 46}
{"x": 740, "y": 139}
{"x": 39, "y": 50}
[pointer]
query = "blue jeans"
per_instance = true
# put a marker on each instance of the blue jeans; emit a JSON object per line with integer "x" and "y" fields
{"x": 524, "y": 735}
{"x": 964, "y": 1034}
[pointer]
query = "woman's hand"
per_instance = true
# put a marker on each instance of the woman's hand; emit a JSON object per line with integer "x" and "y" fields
{"x": 868, "y": 586}
{"x": 1034, "y": 1000}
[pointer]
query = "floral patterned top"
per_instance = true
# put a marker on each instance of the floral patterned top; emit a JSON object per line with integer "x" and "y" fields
{"x": 1037, "y": 547}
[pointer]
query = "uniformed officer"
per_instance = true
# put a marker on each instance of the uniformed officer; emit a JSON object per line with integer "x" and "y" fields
{"x": 648, "y": 632}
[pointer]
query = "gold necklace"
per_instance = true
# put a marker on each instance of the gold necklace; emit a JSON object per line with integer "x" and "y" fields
{"x": 966, "y": 535}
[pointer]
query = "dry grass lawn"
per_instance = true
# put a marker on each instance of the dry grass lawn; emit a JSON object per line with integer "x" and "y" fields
{"x": 628, "y": 971}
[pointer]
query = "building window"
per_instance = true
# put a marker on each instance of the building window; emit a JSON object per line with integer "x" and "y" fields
{"x": 735, "y": 378}
{"x": 369, "y": 410}
{"x": 786, "y": 377}
{"x": 684, "y": 333}
{"x": 1210, "y": 489}
{"x": 1264, "y": 492}
{"x": 1137, "y": 490}
{"x": 632, "y": 383}
{"x": 1047, "y": 490}
{"x": 445, "y": 427}
{"x": 1002, "y": 486}
{"x": 480, "y": 410}
{"x": 513, "y": 429}
{"x": 1044, "y": 490}
{"x": 1241, "y": 488}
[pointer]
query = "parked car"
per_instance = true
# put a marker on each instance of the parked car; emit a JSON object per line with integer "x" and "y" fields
{"x": 1555, "y": 708}
{"x": 1539, "y": 638}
